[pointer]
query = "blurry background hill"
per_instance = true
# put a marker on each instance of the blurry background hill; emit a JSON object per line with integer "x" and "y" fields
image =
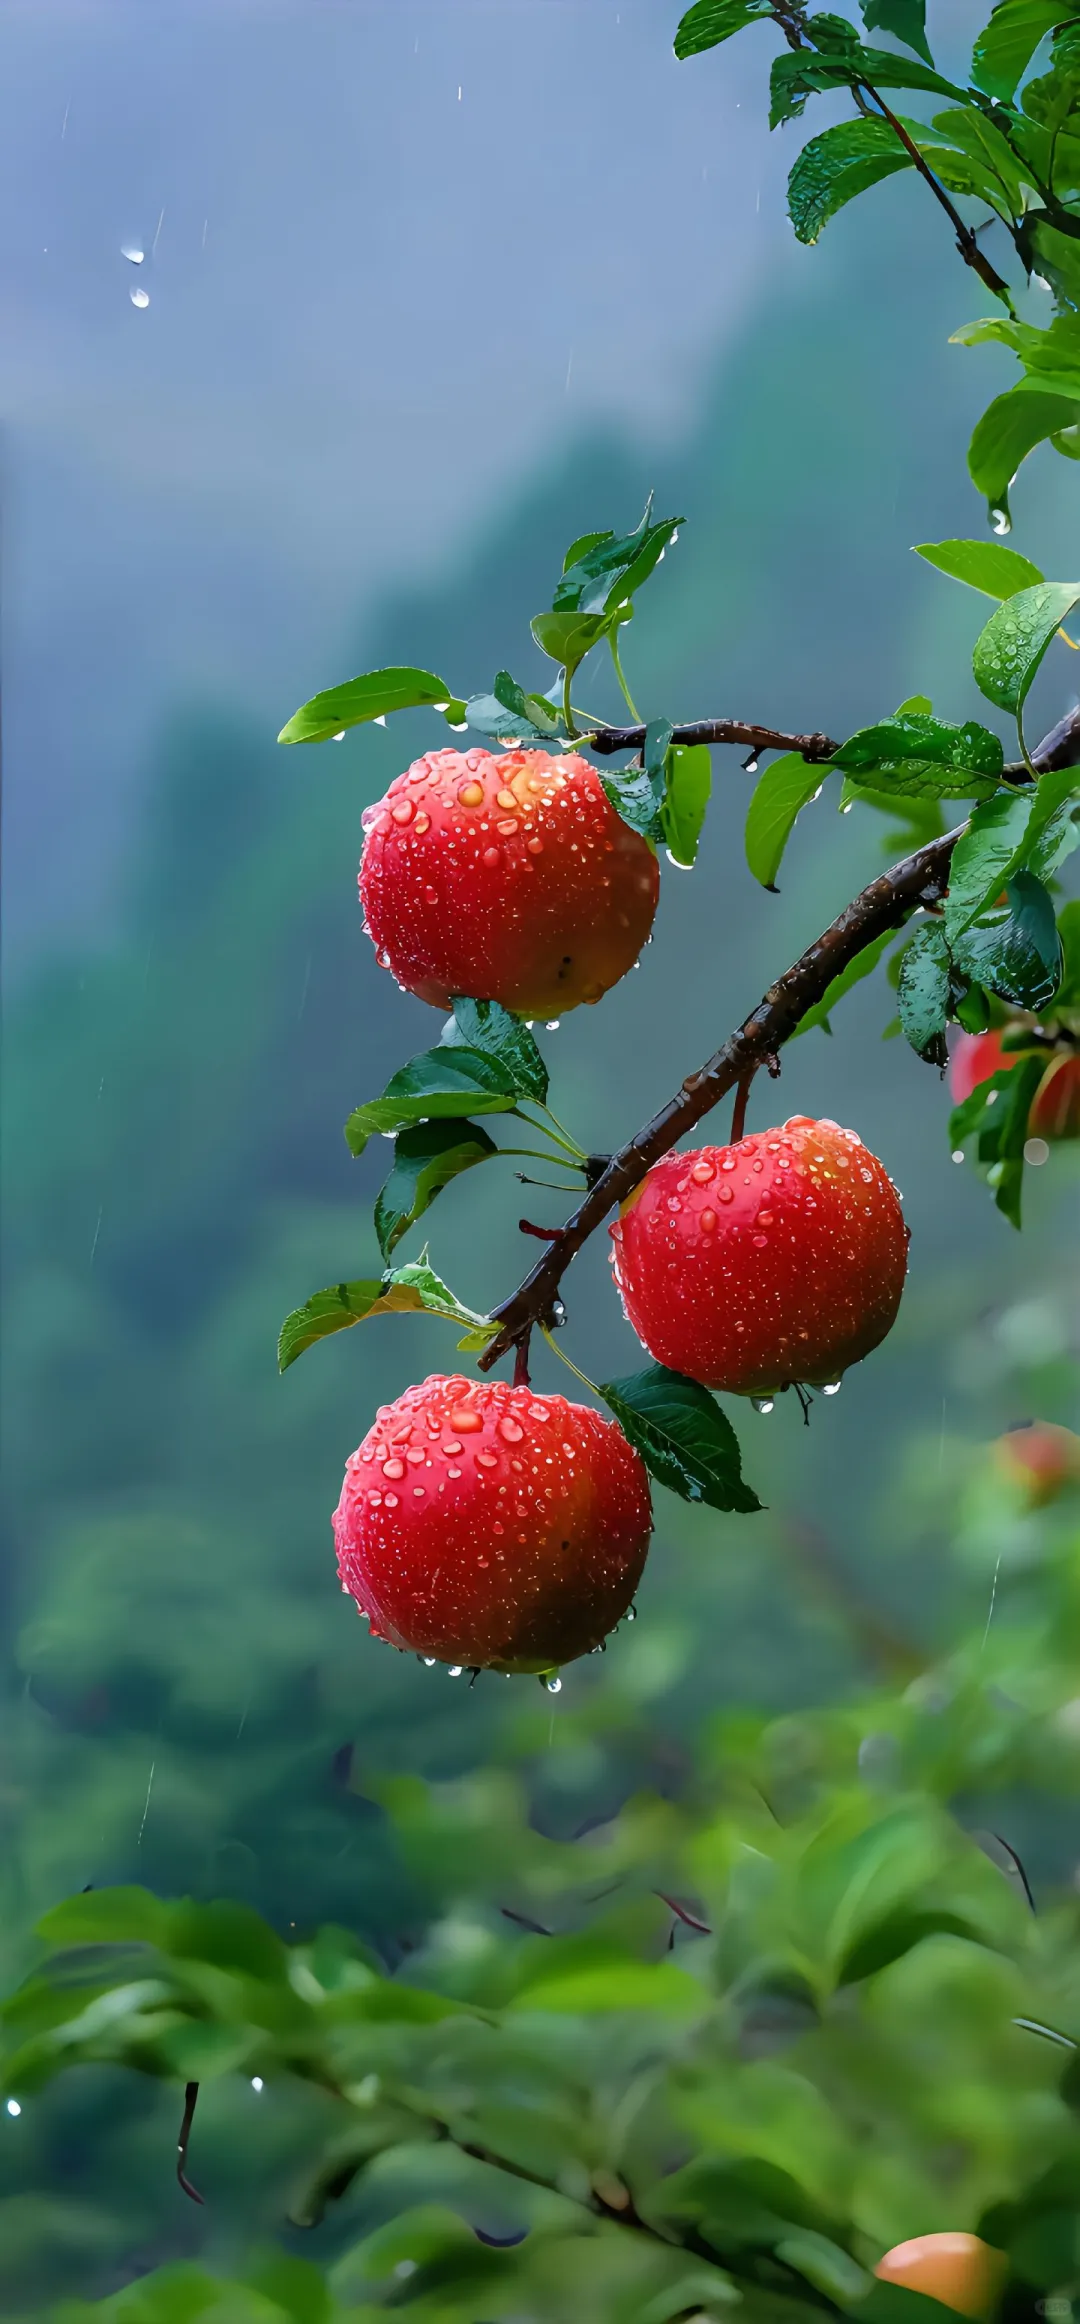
{"x": 425, "y": 343}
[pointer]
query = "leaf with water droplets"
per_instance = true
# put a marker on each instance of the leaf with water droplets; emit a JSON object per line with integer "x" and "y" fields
{"x": 1010, "y": 648}
{"x": 929, "y": 758}
{"x": 485, "y": 1025}
{"x": 981, "y": 862}
{"x": 923, "y": 991}
{"x": 374, "y": 695}
{"x": 833, "y": 168}
{"x": 710, "y": 21}
{"x": 784, "y": 788}
{"x": 984, "y": 565}
{"x": 800, "y": 73}
{"x": 425, "y": 1160}
{"x": 1009, "y": 429}
{"x": 638, "y": 793}
{"x": 1015, "y": 953}
{"x": 684, "y": 1439}
{"x": 606, "y": 575}
{"x": 438, "y": 1084}
{"x": 688, "y": 776}
{"x": 402, "y": 1291}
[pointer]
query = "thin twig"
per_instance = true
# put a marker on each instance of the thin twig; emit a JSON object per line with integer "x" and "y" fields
{"x": 918, "y": 880}
{"x": 738, "y": 1112}
{"x": 965, "y": 237}
{"x": 191, "y": 2093}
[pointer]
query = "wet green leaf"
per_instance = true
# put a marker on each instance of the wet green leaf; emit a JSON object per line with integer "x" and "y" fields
{"x": 992, "y": 846}
{"x": 997, "y": 1114}
{"x": 923, "y": 992}
{"x": 926, "y": 757}
{"x": 799, "y": 73}
{"x": 439, "y": 1083}
{"x": 638, "y": 793}
{"x": 1015, "y": 953}
{"x": 425, "y": 1160}
{"x": 486, "y": 1026}
{"x": 566, "y": 638}
{"x": 374, "y": 695}
{"x": 402, "y": 1291}
{"x": 606, "y": 576}
{"x": 711, "y": 21}
{"x": 786, "y": 786}
{"x": 833, "y": 168}
{"x": 684, "y": 1439}
{"x": 688, "y": 777}
{"x": 1010, "y": 648}
{"x": 986, "y": 565}
{"x": 1009, "y": 429}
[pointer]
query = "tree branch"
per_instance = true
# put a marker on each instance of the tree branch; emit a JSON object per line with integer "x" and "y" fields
{"x": 966, "y": 242}
{"x": 919, "y": 879}
{"x": 1059, "y": 750}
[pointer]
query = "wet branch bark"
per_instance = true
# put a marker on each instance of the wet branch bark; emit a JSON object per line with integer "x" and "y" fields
{"x": 917, "y": 880}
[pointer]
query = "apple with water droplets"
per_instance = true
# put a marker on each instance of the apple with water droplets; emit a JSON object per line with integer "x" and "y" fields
{"x": 487, "y": 1526}
{"x": 505, "y": 876}
{"x": 776, "y": 1260}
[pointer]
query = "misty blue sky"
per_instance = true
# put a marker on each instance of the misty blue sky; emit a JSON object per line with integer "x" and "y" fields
{"x": 397, "y": 252}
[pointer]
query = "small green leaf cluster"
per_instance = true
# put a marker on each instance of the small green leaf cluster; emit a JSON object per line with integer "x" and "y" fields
{"x": 1006, "y": 143}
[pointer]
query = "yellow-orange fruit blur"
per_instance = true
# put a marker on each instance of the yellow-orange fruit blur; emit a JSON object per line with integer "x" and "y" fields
{"x": 957, "y": 2269}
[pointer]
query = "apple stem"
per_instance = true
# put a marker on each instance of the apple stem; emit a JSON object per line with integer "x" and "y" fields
{"x": 738, "y": 1114}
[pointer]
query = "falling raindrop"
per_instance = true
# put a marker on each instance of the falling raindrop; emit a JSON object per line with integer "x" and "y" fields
{"x": 140, "y": 298}
{"x": 256, "y": 2082}
{"x": 13, "y": 2107}
{"x": 130, "y": 251}
{"x": 762, "y": 1403}
{"x": 831, "y": 1388}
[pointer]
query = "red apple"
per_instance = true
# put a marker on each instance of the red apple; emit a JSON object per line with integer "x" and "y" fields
{"x": 1042, "y": 1460}
{"x": 780, "y": 1259}
{"x": 958, "y": 2270}
{"x": 481, "y": 1524}
{"x": 509, "y": 878}
{"x": 975, "y": 1057}
{"x": 1055, "y": 1107}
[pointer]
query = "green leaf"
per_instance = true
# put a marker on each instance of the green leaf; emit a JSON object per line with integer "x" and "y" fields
{"x": 686, "y": 799}
{"x": 566, "y": 638}
{"x": 905, "y": 19}
{"x": 637, "y": 793}
{"x": 798, "y": 73}
{"x": 712, "y": 21}
{"x": 982, "y": 860}
{"x": 985, "y": 145}
{"x": 1007, "y": 44}
{"x": 439, "y": 1083}
{"x": 916, "y": 820}
{"x": 609, "y": 572}
{"x": 582, "y": 545}
{"x": 374, "y": 695}
{"x": 531, "y": 708}
{"x": 107, "y": 1916}
{"x": 1015, "y": 953}
{"x": 1009, "y": 429}
{"x": 684, "y": 1439}
{"x": 786, "y": 786}
{"x": 425, "y": 1160}
{"x": 1054, "y": 829}
{"x": 928, "y": 757}
{"x": 487, "y": 714}
{"x": 486, "y": 1026}
{"x": 402, "y": 1291}
{"x": 997, "y": 1112}
{"x": 1010, "y": 648}
{"x": 833, "y": 168}
{"x": 987, "y": 565}
{"x": 862, "y": 966}
{"x": 923, "y": 992}
{"x": 1068, "y": 992}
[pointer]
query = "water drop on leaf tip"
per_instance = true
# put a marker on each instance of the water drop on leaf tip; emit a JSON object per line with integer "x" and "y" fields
{"x": 456, "y": 1669}
{"x": 831, "y": 1388}
{"x": 762, "y": 1404}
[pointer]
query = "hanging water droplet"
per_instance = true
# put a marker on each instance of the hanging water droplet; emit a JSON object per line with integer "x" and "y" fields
{"x": 456, "y": 1669}
{"x": 256, "y": 2081}
{"x": 338, "y": 737}
{"x": 762, "y": 1403}
{"x": 553, "y": 1024}
{"x": 553, "y": 1686}
{"x": 751, "y": 763}
{"x": 140, "y": 298}
{"x": 558, "y": 1314}
{"x": 131, "y": 251}
{"x": 959, "y": 1154}
{"x": 631, "y": 1613}
{"x": 674, "y": 860}
{"x": 1000, "y": 520}
{"x": 847, "y": 807}
{"x": 379, "y": 721}
{"x": 831, "y": 1388}
{"x": 429, "y": 1661}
